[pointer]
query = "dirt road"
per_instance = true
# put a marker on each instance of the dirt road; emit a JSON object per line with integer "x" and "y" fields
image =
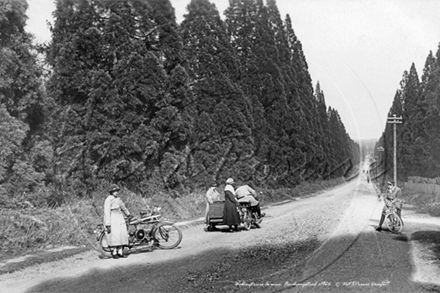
{"x": 322, "y": 243}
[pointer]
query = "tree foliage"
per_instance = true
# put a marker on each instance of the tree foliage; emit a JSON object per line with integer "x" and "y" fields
{"x": 136, "y": 99}
{"x": 25, "y": 151}
{"x": 417, "y": 102}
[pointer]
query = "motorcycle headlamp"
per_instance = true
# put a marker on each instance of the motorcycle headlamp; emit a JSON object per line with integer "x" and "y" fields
{"x": 140, "y": 234}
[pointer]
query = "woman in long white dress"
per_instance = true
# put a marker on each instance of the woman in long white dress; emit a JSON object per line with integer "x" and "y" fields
{"x": 116, "y": 228}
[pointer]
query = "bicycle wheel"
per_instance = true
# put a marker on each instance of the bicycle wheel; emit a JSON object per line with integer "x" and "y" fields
{"x": 394, "y": 223}
{"x": 103, "y": 244}
{"x": 167, "y": 236}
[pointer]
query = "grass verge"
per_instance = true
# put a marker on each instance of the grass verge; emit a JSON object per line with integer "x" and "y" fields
{"x": 423, "y": 202}
{"x": 29, "y": 230}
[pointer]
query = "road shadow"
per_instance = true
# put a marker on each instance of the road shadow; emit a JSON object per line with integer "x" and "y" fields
{"x": 430, "y": 238}
{"x": 277, "y": 267}
{"x": 400, "y": 237}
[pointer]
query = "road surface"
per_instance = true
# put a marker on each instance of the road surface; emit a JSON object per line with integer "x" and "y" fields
{"x": 325, "y": 242}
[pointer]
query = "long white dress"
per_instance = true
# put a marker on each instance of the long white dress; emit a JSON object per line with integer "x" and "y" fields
{"x": 114, "y": 217}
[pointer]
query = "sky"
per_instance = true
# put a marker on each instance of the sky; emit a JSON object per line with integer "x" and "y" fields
{"x": 357, "y": 50}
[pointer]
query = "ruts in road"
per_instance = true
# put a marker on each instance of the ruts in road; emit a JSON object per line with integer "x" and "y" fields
{"x": 324, "y": 242}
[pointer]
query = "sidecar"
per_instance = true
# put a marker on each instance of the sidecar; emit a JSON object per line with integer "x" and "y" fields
{"x": 215, "y": 214}
{"x": 247, "y": 217}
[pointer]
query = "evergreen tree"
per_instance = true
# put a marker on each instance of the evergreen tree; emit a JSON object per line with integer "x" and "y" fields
{"x": 412, "y": 127}
{"x": 12, "y": 134}
{"x": 222, "y": 144}
{"x": 301, "y": 93}
{"x": 324, "y": 132}
{"x": 275, "y": 76}
{"x": 22, "y": 103}
{"x": 387, "y": 139}
{"x": 119, "y": 118}
{"x": 431, "y": 96}
{"x": 249, "y": 27}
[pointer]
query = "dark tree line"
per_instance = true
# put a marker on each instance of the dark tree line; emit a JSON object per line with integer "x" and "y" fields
{"x": 417, "y": 101}
{"x": 127, "y": 95}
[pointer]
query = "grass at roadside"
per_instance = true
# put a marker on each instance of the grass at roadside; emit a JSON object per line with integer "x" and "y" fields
{"x": 26, "y": 229}
{"x": 424, "y": 203}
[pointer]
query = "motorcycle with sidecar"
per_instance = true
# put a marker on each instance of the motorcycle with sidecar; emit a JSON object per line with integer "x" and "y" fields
{"x": 248, "y": 217}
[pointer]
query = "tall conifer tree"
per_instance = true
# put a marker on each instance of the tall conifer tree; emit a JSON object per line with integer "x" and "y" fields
{"x": 111, "y": 81}
{"x": 26, "y": 154}
{"x": 431, "y": 95}
{"x": 222, "y": 112}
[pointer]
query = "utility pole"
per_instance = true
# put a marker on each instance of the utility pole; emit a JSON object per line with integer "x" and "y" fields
{"x": 395, "y": 120}
{"x": 380, "y": 150}
{"x": 376, "y": 166}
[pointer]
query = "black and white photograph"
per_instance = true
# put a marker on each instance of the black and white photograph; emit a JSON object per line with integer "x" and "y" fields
{"x": 151, "y": 146}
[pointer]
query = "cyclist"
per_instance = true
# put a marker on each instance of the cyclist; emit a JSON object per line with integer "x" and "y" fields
{"x": 392, "y": 198}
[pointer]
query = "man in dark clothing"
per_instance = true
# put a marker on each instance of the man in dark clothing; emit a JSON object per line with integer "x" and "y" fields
{"x": 392, "y": 198}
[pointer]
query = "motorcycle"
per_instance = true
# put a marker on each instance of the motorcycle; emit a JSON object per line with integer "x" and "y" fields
{"x": 248, "y": 217}
{"x": 149, "y": 230}
{"x": 393, "y": 221}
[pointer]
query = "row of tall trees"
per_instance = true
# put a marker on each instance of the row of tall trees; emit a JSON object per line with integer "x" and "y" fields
{"x": 127, "y": 95}
{"x": 417, "y": 101}
{"x": 25, "y": 152}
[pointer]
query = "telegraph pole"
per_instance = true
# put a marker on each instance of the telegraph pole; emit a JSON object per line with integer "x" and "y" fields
{"x": 381, "y": 150}
{"x": 395, "y": 120}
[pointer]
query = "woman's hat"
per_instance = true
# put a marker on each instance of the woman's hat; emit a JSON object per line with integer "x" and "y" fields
{"x": 114, "y": 188}
{"x": 230, "y": 181}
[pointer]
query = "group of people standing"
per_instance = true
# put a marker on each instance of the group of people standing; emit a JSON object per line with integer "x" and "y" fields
{"x": 233, "y": 197}
{"x": 116, "y": 228}
{"x": 115, "y": 210}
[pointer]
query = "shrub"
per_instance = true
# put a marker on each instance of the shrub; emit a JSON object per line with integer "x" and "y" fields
{"x": 431, "y": 208}
{"x": 425, "y": 203}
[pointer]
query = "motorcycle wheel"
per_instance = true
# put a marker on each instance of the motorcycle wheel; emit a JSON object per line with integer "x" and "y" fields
{"x": 102, "y": 243}
{"x": 257, "y": 221}
{"x": 167, "y": 236}
{"x": 247, "y": 221}
{"x": 394, "y": 223}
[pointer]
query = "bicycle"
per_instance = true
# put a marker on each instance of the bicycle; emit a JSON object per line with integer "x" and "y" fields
{"x": 392, "y": 219}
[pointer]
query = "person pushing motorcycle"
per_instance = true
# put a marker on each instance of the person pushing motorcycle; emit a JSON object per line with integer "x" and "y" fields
{"x": 391, "y": 198}
{"x": 245, "y": 193}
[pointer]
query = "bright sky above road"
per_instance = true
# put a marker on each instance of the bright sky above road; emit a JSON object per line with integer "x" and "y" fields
{"x": 357, "y": 49}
